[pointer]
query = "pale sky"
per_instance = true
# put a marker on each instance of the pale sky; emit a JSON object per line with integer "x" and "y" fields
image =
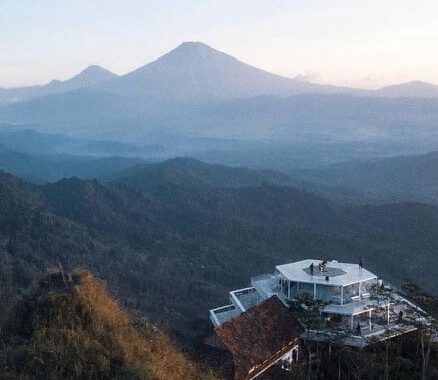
{"x": 345, "y": 42}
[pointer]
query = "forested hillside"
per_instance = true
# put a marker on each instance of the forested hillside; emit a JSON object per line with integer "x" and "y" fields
{"x": 394, "y": 179}
{"x": 173, "y": 251}
{"x": 68, "y": 327}
{"x": 186, "y": 171}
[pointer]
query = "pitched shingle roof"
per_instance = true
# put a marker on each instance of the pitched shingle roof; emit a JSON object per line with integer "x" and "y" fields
{"x": 259, "y": 337}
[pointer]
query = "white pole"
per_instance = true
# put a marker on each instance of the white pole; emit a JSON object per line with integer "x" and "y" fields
{"x": 342, "y": 295}
{"x": 314, "y": 290}
{"x": 369, "y": 319}
{"x": 387, "y": 313}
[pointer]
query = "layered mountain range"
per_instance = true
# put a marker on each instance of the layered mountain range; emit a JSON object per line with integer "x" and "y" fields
{"x": 194, "y": 70}
{"x": 197, "y": 91}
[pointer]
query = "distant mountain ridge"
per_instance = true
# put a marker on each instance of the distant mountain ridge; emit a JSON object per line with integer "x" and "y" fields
{"x": 185, "y": 171}
{"x": 87, "y": 78}
{"x": 399, "y": 178}
{"x": 29, "y": 141}
{"x": 336, "y": 117}
{"x": 90, "y": 77}
{"x": 196, "y": 71}
{"x": 414, "y": 89}
{"x": 197, "y": 91}
{"x": 42, "y": 168}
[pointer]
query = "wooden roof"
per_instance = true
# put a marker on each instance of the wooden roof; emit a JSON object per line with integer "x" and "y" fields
{"x": 259, "y": 337}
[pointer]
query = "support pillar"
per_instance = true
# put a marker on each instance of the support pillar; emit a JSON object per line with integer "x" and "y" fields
{"x": 342, "y": 295}
{"x": 369, "y": 319}
{"x": 360, "y": 289}
{"x": 387, "y": 313}
{"x": 352, "y": 322}
{"x": 314, "y": 290}
{"x": 288, "y": 289}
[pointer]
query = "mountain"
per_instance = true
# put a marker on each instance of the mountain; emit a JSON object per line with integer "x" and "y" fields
{"x": 198, "y": 92}
{"x": 399, "y": 178}
{"x": 195, "y": 71}
{"x": 76, "y": 330}
{"x": 415, "y": 89}
{"x": 189, "y": 172}
{"x": 172, "y": 251}
{"x": 49, "y": 168}
{"x": 70, "y": 112}
{"x": 209, "y": 213}
{"x": 88, "y": 78}
{"x": 30, "y": 141}
{"x": 302, "y": 118}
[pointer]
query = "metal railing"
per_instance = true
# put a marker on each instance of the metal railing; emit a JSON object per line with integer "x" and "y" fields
{"x": 229, "y": 311}
{"x": 266, "y": 285}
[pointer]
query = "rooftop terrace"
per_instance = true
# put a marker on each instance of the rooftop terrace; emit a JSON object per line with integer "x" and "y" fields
{"x": 340, "y": 274}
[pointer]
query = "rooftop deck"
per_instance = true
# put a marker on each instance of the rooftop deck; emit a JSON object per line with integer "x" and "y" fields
{"x": 245, "y": 299}
{"x": 340, "y": 274}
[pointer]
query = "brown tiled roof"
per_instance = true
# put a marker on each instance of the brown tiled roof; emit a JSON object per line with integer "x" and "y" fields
{"x": 259, "y": 337}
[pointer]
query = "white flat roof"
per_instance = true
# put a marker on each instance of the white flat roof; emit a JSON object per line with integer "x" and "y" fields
{"x": 340, "y": 274}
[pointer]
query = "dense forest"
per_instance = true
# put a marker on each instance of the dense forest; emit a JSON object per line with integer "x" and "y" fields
{"x": 171, "y": 243}
{"x": 171, "y": 251}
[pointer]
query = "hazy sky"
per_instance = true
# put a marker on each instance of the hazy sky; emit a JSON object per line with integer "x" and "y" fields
{"x": 347, "y": 42}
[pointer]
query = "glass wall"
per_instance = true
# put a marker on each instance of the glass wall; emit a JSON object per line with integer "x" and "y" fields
{"x": 351, "y": 293}
{"x": 328, "y": 293}
{"x": 305, "y": 288}
{"x": 283, "y": 283}
{"x": 293, "y": 289}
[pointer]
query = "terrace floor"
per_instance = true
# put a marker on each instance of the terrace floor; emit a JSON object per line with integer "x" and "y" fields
{"x": 367, "y": 337}
{"x": 247, "y": 298}
{"x": 353, "y": 308}
{"x": 223, "y": 314}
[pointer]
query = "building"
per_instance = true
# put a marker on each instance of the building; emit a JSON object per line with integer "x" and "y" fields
{"x": 334, "y": 302}
{"x": 264, "y": 335}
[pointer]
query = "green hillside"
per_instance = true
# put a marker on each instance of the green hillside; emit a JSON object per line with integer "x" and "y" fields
{"x": 173, "y": 251}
